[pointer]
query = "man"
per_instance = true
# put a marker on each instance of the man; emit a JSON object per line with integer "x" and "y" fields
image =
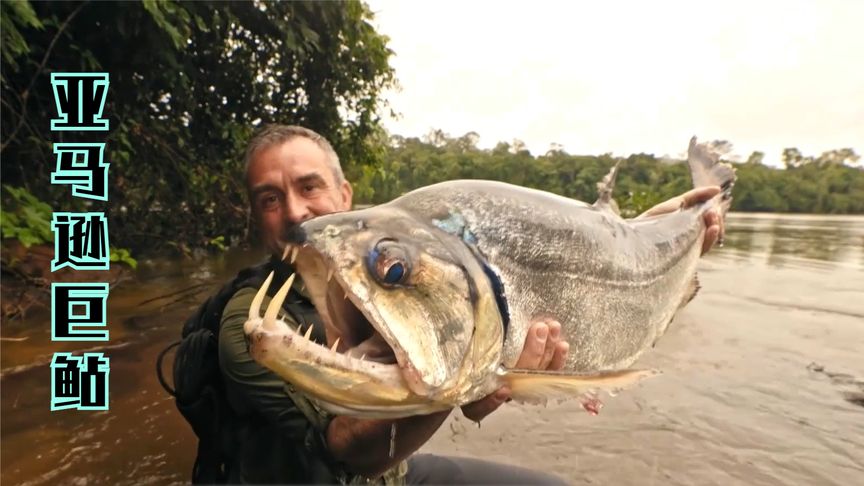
{"x": 293, "y": 175}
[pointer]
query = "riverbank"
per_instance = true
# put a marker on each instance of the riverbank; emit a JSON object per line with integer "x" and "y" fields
{"x": 761, "y": 379}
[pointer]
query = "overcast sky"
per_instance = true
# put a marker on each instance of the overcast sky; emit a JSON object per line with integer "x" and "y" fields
{"x": 631, "y": 76}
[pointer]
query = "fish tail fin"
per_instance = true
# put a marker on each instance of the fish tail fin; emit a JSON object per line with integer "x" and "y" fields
{"x": 604, "y": 190}
{"x": 707, "y": 170}
{"x": 529, "y": 386}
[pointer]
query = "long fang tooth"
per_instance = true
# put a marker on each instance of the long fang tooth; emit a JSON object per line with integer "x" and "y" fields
{"x": 363, "y": 357}
{"x": 335, "y": 345}
{"x": 276, "y": 304}
{"x": 288, "y": 249}
{"x": 308, "y": 332}
{"x": 255, "y": 309}
{"x": 294, "y": 252}
{"x": 346, "y": 295}
{"x": 330, "y": 273}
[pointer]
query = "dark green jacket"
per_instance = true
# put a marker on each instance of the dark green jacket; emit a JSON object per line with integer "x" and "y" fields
{"x": 279, "y": 434}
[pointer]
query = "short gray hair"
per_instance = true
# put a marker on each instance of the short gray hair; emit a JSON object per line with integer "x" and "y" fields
{"x": 271, "y": 135}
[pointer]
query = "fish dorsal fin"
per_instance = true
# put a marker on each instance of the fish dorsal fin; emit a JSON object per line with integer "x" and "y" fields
{"x": 604, "y": 191}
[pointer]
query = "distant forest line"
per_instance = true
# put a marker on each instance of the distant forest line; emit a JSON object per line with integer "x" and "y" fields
{"x": 830, "y": 183}
{"x": 190, "y": 81}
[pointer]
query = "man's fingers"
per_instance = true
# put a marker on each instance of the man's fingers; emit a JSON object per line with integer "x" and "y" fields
{"x": 551, "y": 341}
{"x": 665, "y": 207}
{"x": 560, "y": 356}
{"x": 711, "y": 235}
{"x": 699, "y": 195}
{"x": 478, "y": 410}
{"x": 535, "y": 347}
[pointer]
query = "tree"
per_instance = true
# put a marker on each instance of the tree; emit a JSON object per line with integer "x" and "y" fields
{"x": 792, "y": 158}
{"x": 189, "y": 83}
{"x": 756, "y": 158}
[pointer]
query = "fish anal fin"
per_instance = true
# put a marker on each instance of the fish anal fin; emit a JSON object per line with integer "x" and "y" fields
{"x": 692, "y": 290}
{"x": 604, "y": 191}
{"x": 529, "y": 386}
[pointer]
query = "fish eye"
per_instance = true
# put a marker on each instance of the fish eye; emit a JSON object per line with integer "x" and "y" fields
{"x": 388, "y": 263}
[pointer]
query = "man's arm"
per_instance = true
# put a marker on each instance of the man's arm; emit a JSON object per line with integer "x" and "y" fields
{"x": 364, "y": 445}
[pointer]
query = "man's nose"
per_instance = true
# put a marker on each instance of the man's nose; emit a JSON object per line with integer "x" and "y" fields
{"x": 296, "y": 209}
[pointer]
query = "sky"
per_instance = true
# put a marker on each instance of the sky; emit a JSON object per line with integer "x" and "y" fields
{"x": 630, "y": 77}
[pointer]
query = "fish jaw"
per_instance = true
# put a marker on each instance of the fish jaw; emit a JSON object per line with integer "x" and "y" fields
{"x": 430, "y": 320}
{"x": 342, "y": 383}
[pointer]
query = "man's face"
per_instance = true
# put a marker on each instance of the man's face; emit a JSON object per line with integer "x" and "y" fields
{"x": 290, "y": 183}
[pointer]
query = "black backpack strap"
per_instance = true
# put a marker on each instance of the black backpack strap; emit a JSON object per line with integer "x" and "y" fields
{"x": 198, "y": 387}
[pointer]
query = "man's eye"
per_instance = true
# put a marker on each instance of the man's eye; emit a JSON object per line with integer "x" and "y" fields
{"x": 269, "y": 201}
{"x": 309, "y": 188}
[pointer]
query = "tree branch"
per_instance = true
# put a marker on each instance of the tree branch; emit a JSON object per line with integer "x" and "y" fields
{"x": 26, "y": 92}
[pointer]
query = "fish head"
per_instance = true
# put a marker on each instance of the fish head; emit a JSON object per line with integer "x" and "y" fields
{"x": 389, "y": 285}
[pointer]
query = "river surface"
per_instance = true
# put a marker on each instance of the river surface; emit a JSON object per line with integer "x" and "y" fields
{"x": 762, "y": 384}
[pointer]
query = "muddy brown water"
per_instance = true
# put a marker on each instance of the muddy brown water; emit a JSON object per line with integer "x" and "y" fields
{"x": 763, "y": 380}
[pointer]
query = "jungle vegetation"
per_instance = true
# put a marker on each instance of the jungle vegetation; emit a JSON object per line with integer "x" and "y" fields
{"x": 190, "y": 81}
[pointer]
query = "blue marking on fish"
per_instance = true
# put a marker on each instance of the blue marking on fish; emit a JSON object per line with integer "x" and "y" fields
{"x": 455, "y": 225}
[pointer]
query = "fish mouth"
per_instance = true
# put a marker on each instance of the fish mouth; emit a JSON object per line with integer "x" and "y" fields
{"x": 358, "y": 374}
{"x": 348, "y": 327}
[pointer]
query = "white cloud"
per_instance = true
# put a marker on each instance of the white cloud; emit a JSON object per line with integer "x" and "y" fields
{"x": 631, "y": 76}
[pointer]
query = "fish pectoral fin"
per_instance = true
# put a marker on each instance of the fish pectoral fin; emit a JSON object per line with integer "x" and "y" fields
{"x": 530, "y": 386}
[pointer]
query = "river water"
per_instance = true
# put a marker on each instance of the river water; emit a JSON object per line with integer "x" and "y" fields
{"x": 763, "y": 380}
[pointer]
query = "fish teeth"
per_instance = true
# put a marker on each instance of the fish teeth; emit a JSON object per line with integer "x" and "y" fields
{"x": 335, "y": 345}
{"x": 294, "y": 252}
{"x": 255, "y": 308}
{"x": 308, "y": 332}
{"x": 288, "y": 248}
{"x": 276, "y": 304}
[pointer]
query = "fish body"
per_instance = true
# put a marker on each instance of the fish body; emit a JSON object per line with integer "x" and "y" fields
{"x": 448, "y": 278}
{"x": 613, "y": 284}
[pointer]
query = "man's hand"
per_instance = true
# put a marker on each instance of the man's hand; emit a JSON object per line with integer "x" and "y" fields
{"x": 713, "y": 220}
{"x": 544, "y": 350}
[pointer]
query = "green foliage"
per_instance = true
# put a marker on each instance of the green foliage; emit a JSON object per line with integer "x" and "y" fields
{"x": 15, "y": 14}
{"x": 218, "y": 243}
{"x": 122, "y": 255}
{"x": 829, "y": 183}
{"x": 25, "y": 217}
{"x": 190, "y": 81}
{"x": 28, "y": 220}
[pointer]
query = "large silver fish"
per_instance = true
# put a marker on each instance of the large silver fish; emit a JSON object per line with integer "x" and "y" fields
{"x": 438, "y": 288}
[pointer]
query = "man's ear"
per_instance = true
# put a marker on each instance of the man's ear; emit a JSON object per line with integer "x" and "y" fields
{"x": 347, "y": 195}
